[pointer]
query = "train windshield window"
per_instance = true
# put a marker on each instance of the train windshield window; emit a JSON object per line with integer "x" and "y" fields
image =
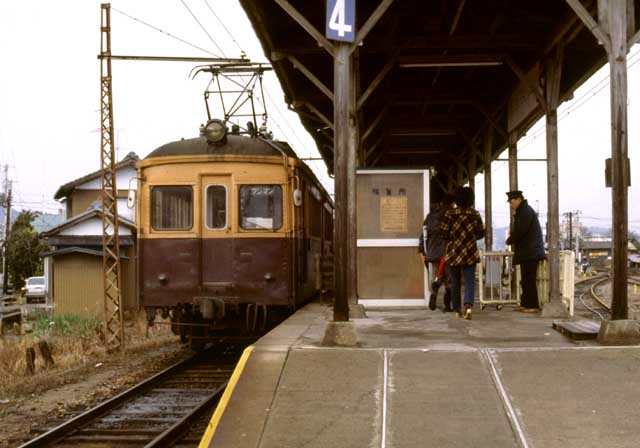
{"x": 172, "y": 208}
{"x": 260, "y": 207}
{"x": 216, "y": 214}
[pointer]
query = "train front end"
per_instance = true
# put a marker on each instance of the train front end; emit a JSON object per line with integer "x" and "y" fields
{"x": 215, "y": 234}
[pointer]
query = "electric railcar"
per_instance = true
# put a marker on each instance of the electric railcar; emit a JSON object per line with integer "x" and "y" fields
{"x": 233, "y": 230}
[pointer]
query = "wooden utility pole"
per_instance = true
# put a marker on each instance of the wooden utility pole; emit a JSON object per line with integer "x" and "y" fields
{"x": 111, "y": 269}
{"x": 7, "y": 232}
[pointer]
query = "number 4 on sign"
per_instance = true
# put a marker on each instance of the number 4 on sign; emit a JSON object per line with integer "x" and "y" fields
{"x": 340, "y": 19}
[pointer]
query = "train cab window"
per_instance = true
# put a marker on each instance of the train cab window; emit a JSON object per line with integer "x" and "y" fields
{"x": 172, "y": 208}
{"x": 260, "y": 207}
{"x": 216, "y": 208}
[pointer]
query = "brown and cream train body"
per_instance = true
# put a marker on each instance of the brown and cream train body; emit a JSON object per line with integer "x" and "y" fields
{"x": 229, "y": 232}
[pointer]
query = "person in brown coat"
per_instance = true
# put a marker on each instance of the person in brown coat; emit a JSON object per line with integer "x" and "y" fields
{"x": 461, "y": 227}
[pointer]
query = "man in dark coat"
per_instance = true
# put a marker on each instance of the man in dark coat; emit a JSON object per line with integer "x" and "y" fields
{"x": 525, "y": 238}
{"x": 435, "y": 246}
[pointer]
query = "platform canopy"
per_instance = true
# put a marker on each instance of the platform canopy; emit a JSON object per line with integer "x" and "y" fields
{"x": 431, "y": 76}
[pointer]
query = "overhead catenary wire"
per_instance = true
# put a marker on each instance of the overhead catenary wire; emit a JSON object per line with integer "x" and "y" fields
{"x": 263, "y": 103}
{"x": 579, "y": 102}
{"x": 285, "y": 134}
{"x": 223, "y": 26}
{"x": 164, "y": 32}
{"x": 203, "y": 28}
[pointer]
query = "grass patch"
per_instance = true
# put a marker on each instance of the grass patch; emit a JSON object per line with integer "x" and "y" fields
{"x": 74, "y": 341}
{"x": 65, "y": 325}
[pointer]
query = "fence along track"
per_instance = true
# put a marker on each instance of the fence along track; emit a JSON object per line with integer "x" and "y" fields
{"x": 158, "y": 411}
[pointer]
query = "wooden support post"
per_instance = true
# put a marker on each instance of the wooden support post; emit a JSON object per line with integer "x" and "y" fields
{"x": 613, "y": 33}
{"x": 471, "y": 167}
{"x": 488, "y": 220}
{"x": 513, "y": 161}
{"x": 375, "y": 123}
{"x": 553, "y": 76}
{"x": 459, "y": 174}
{"x": 310, "y": 76}
{"x": 45, "y": 352}
{"x": 30, "y": 360}
{"x": 619, "y": 155}
{"x": 451, "y": 181}
{"x": 342, "y": 143}
{"x": 308, "y": 27}
{"x": 377, "y": 81}
{"x": 353, "y": 151}
{"x": 513, "y": 185}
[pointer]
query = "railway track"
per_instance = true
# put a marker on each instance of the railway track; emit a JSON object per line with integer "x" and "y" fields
{"x": 599, "y": 304}
{"x": 172, "y": 408}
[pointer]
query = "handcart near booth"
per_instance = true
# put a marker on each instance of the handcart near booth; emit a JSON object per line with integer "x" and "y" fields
{"x": 497, "y": 274}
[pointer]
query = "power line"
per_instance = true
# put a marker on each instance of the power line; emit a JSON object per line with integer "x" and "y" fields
{"x": 588, "y": 95}
{"x": 206, "y": 51}
{"x": 164, "y": 32}
{"x": 203, "y": 29}
{"x": 223, "y": 25}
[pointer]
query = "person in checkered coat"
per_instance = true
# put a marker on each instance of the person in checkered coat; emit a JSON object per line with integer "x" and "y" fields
{"x": 461, "y": 227}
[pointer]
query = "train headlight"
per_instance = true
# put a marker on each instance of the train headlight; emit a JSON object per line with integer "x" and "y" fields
{"x": 215, "y": 131}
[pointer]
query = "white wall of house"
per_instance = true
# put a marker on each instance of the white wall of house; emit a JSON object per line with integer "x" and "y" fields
{"x": 92, "y": 226}
{"x": 123, "y": 181}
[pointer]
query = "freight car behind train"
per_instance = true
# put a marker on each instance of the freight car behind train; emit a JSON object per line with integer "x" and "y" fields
{"x": 233, "y": 232}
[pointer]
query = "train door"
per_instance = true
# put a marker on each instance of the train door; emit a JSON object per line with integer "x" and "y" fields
{"x": 391, "y": 206}
{"x": 216, "y": 253}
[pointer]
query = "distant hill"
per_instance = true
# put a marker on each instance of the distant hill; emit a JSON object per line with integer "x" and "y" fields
{"x": 41, "y": 224}
{"x": 47, "y": 221}
{"x": 14, "y": 215}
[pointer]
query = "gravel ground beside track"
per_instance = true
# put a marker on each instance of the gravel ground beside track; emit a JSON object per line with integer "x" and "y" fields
{"x": 77, "y": 389}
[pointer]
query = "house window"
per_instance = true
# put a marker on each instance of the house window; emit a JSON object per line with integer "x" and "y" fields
{"x": 172, "y": 208}
{"x": 260, "y": 207}
{"x": 216, "y": 207}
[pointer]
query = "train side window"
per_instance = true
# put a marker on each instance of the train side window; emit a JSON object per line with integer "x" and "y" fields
{"x": 172, "y": 208}
{"x": 216, "y": 207}
{"x": 260, "y": 207}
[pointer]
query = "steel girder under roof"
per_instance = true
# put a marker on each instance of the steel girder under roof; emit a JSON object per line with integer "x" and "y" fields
{"x": 432, "y": 77}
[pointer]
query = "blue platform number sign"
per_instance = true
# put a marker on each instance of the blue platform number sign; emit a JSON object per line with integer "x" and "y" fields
{"x": 341, "y": 18}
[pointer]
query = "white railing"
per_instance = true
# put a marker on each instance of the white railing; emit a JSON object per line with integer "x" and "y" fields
{"x": 495, "y": 273}
{"x": 494, "y": 279}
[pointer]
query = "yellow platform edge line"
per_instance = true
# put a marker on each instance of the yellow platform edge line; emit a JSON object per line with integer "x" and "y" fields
{"x": 222, "y": 404}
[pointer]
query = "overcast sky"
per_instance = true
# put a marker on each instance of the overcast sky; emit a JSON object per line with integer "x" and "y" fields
{"x": 50, "y": 102}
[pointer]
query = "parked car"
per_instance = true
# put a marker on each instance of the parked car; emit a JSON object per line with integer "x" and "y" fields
{"x": 35, "y": 290}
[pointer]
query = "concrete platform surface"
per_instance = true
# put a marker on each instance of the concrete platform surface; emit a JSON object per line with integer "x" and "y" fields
{"x": 421, "y": 378}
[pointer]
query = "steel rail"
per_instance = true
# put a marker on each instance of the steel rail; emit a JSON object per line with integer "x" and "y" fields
{"x": 174, "y": 433}
{"x": 599, "y": 299}
{"x": 64, "y": 429}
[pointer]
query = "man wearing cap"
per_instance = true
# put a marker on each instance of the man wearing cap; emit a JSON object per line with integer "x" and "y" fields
{"x": 526, "y": 239}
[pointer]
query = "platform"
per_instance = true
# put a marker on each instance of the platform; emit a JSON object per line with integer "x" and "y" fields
{"x": 422, "y": 378}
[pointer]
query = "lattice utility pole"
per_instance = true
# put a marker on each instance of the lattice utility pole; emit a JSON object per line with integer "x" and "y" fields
{"x": 113, "y": 315}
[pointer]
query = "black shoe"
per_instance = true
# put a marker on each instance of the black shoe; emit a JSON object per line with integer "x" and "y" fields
{"x": 432, "y": 301}
{"x": 447, "y": 301}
